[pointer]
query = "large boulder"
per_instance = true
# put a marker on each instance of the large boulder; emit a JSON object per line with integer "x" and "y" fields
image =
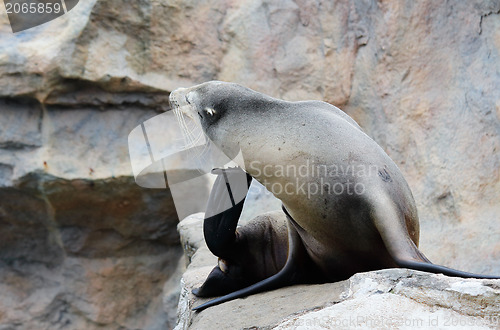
{"x": 82, "y": 246}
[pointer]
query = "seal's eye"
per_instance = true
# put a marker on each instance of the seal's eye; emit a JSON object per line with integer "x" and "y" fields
{"x": 187, "y": 100}
{"x": 210, "y": 111}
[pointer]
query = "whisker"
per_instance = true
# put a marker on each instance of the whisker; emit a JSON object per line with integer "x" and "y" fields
{"x": 191, "y": 139}
{"x": 191, "y": 129}
{"x": 192, "y": 135}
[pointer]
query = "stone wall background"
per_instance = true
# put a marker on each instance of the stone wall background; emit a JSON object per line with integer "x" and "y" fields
{"x": 82, "y": 246}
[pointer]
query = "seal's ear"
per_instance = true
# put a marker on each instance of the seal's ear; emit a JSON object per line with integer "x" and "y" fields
{"x": 225, "y": 204}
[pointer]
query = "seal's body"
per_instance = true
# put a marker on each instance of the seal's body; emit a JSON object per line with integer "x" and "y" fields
{"x": 348, "y": 206}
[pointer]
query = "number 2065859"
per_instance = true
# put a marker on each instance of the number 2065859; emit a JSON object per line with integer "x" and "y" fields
{"x": 33, "y": 8}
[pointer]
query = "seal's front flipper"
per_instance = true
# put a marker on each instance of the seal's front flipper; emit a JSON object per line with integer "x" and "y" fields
{"x": 224, "y": 207}
{"x": 286, "y": 276}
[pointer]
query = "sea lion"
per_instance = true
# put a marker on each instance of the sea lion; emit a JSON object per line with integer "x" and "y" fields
{"x": 348, "y": 207}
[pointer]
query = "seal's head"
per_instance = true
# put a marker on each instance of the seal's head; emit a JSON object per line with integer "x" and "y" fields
{"x": 202, "y": 102}
{"x": 223, "y": 110}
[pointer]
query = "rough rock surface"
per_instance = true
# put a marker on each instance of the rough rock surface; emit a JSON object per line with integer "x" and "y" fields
{"x": 391, "y": 298}
{"x": 421, "y": 77}
{"x": 82, "y": 254}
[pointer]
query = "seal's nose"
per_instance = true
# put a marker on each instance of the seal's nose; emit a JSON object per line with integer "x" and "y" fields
{"x": 179, "y": 98}
{"x": 174, "y": 98}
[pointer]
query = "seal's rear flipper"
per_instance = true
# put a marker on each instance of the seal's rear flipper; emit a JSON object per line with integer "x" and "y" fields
{"x": 402, "y": 249}
{"x": 225, "y": 204}
{"x": 283, "y": 278}
{"x": 437, "y": 269}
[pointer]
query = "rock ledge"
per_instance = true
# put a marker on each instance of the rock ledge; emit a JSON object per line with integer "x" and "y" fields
{"x": 391, "y": 298}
